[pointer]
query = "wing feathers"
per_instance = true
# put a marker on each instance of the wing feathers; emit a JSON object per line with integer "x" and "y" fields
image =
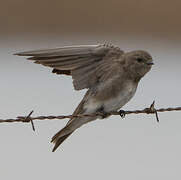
{"x": 81, "y": 71}
{"x": 65, "y": 72}
{"x": 64, "y": 51}
{"x": 68, "y": 65}
{"x": 87, "y": 64}
{"x": 62, "y": 58}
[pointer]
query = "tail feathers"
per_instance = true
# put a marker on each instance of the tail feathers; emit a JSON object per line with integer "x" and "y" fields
{"x": 64, "y": 131}
{"x": 60, "y": 140}
{"x": 60, "y": 136}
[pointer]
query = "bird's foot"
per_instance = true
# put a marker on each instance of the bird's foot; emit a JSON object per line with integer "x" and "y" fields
{"x": 103, "y": 114}
{"x": 122, "y": 113}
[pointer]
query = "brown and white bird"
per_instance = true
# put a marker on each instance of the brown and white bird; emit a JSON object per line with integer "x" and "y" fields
{"x": 110, "y": 75}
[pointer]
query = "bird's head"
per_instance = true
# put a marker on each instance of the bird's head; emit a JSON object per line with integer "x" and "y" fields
{"x": 137, "y": 63}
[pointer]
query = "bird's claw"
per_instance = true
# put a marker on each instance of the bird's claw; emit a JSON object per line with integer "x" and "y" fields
{"x": 104, "y": 115}
{"x": 122, "y": 113}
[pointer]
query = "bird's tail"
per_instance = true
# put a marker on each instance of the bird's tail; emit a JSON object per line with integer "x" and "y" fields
{"x": 71, "y": 126}
{"x": 60, "y": 137}
{"x": 59, "y": 140}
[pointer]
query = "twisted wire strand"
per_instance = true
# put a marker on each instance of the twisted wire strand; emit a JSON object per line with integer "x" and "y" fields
{"x": 150, "y": 110}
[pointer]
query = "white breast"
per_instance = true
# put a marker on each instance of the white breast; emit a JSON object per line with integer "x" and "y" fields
{"x": 123, "y": 97}
{"x": 92, "y": 105}
{"x": 111, "y": 104}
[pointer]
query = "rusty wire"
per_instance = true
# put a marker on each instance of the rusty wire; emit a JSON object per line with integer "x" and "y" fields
{"x": 150, "y": 110}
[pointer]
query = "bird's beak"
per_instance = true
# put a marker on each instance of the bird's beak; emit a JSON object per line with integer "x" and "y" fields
{"x": 150, "y": 63}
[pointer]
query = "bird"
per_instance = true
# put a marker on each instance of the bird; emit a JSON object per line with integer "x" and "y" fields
{"x": 110, "y": 74}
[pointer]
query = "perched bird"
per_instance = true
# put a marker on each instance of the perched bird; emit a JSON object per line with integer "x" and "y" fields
{"x": 110, "y": 75}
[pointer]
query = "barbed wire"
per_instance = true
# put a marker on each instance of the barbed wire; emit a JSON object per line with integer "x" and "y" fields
{"x": 150, "y": 110}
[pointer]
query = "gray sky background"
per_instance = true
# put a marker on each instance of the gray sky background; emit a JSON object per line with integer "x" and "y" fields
{"x": 134, "y": 148}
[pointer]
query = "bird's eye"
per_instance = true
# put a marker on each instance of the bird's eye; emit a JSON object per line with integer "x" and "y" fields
{"x": 139, "y": 60}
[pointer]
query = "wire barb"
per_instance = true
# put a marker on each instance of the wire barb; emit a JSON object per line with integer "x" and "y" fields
{"x": 28, "y": 119}
{"x": 150, "y": 110}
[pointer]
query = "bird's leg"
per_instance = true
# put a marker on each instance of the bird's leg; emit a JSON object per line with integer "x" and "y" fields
{"x": 103, "y": 113}
{"x": 122, "y": 113}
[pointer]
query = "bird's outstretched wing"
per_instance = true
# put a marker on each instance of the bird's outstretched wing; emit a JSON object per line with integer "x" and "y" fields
{"x": 88, "y": 65}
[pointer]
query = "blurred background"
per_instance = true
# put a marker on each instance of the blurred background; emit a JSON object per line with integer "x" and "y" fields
{"x": 133, "y": 148}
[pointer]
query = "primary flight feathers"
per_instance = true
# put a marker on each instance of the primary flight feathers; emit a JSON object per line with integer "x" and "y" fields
{"x": 87, "y": 64}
